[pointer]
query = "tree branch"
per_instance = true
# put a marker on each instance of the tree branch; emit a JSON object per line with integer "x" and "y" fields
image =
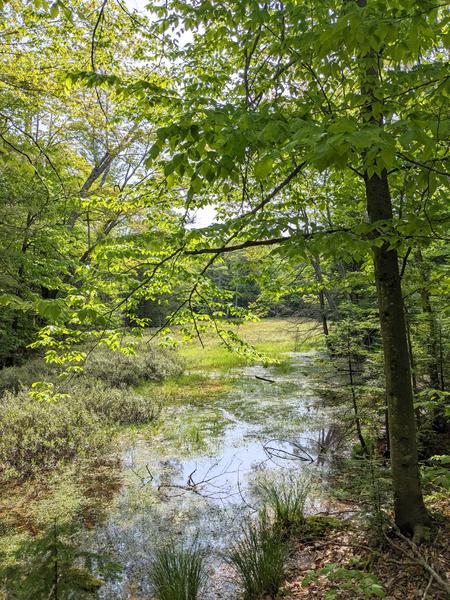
{"x": 241, "y": 246}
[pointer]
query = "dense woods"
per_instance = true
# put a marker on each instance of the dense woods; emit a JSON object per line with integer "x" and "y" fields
{"x": 172, "y": 177}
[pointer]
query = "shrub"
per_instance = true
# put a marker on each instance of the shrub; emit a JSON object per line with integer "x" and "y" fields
{"x": 38, "y": 435}
{"x": 120, "y": 406}
{"x": 15, "y": 378}
{"x": 114, "y": 368}
{"x": 119, "y": 369}
{"x": 54, "y": 564}
{"x": 285, "y": 496}
{"x": 259, "y": 559}
{"x": 178, "y": 573}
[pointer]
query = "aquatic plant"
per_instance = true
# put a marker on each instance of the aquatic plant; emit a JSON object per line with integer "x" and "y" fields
{"x": 285, "y": 496}
{"x": 259, "y": 558}
{"x": 178, "y": 573}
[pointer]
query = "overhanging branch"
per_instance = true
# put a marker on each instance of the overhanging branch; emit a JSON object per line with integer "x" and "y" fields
{"x": 241, "y": 246}
{"x": 268, "y": 242}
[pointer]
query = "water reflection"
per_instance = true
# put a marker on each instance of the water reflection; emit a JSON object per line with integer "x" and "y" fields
{"x": 270, "y": 427}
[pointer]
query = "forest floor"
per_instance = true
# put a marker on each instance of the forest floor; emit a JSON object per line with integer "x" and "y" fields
{"x": 350, "y": 560}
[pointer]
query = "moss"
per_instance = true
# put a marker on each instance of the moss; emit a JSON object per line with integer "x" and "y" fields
{"x": 317, "y": 526}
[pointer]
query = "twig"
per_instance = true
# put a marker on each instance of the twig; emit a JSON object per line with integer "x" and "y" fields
{"x": 265, "y": 379}
{"x": 418, "y": 559}
{"x": 427, "y": 589}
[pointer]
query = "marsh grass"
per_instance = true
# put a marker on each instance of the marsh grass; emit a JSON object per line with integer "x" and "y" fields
{"x": 194, "y": 388}
{"x": 273, "y": 337}
{"x": 284, "y": 497}
{"x": 259, "y": 559}
{"x": 178, "y": 573}
{"x": 270, "y": 337}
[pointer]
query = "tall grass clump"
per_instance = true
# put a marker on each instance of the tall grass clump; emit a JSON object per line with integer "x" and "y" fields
{"x": 284, "y": 496}
{"x": 259, "y": 559}
{"x": 178, "y": 573}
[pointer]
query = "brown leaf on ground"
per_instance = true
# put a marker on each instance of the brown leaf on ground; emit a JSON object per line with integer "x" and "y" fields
{"x": 395, "y": 568}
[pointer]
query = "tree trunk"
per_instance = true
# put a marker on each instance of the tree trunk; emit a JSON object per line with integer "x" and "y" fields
{"x": 433, "y": 358}
{"x": 361, "y": 439}
{"x": 410, "y": 513}
{"x": 412, "y": 361}
{"x": 323, "y": 314}
{"x": 315, "y": 261}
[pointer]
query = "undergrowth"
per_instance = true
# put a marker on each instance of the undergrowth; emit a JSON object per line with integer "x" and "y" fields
{"x": 62, "y": 419}
{"x": 36, "y": 436}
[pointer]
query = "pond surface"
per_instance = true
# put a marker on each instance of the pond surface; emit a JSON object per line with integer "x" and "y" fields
{"x": 199, "y": 482}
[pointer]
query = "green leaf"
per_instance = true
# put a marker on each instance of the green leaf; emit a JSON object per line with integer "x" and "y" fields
{"x": 263, "y": 168}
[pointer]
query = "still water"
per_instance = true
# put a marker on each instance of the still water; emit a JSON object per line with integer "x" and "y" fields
{"x": 200, "y": 483}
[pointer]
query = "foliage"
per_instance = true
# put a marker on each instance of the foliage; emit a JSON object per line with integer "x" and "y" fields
{"x": 41, "y": 428}
{"x": 50, "y": 425}
{"x": 360, "y": 583}
{"x": 280, "y": 117}
{"x": 119, "y": 369}
{"x": 116, "y": 368}
{"x": 70, "y": 161}
{"x": 367, "y": 479}
{"x": 259, "y": 559}
{"x": 36, "y": 436}
{"x": 436, "y": 474}
{"x": 17, "y": 377}
{"x": 115, "y": 406}
{"x": 53, "y": 566}
{"x": 178, "y": 573}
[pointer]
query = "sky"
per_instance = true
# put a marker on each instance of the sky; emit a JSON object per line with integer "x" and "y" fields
{"x": 203, "y": 216}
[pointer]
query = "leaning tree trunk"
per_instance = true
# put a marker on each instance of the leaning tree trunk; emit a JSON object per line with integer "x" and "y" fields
{"x": 410, "y": 513}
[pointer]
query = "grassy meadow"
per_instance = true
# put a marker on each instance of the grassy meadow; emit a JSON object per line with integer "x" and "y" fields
{"x": 271, "y": 337}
